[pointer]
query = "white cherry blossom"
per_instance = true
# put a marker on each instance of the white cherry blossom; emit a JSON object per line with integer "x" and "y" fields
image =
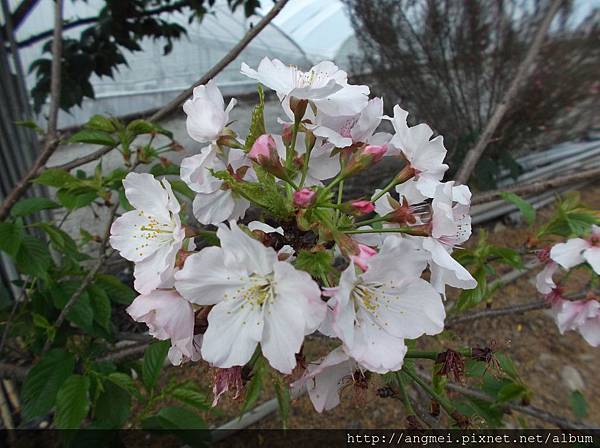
{"x": 343, "y": 131}
{"x": 425, "y": 156}
{"x": 258, "y": 300}
{"x": 214, "y": 203}
{"x": 579, "y": 250}
{"x": 373, "y": 312}
{"x": 206, "y": 113}
{"x": 325, "y": 379}
{"x": 325, "y": 85}
{"x": 151, "y": 235}
{"x": 169, "y": 316}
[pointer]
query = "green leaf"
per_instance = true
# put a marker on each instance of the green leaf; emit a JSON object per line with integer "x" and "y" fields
{"x": 100, "y": 305}
{"x": 43, "y": 382}
{"x": 62, "y": 241}
{"x": 72, "y": 402}
{"x": 255, "y": 386}
{"x": 32, "y": 205}
{"x": 76, "y": 198}
{"x": 512, "y": 391}
{"x": 55, "y": 177}
{"x": 125, "y": 382}
{"x": 93, "y": 137}
{"x": 508, "y": 366}
{"x": 11, "y": 237}
{"x": 116, "y": 290}
{"x": 257, "y": 121}
{"x": 181, "y": 187}
{"x": 524, "y": 207}
{"x": 174, "y": 418}
{"x": 189, "y": 394}
{"x": 160, "y": 169}
{"x": 145, "y": 127}
{"x": 154, "y": 358}
{"x": 81, "y": 313}
{"x": 31, "y": 125}
{"x": 317, "y": 263}
{"x": 472, "y": 297}
{"x": 508, "y": 256}
{"x": 113, "y": 407}
{"x": 283, "y": 401}
{"x": 578, "y": 404}
{"x": 100, "y": 123}
{"x": 33, "y": 257}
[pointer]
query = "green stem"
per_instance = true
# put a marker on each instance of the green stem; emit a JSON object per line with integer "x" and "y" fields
{"x": 407, "y": 230}
{"x": 289, "y": 155}
{"x": 404, "y": 395}
{"x": 421, "y": 355}
{"x": 370, "y": 221}
{"x": 432, "y": 393}
{"x": 391, "y": 184}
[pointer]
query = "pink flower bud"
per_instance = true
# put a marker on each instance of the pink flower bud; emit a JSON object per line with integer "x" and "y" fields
{"x": 363, "y": 207}
{"x": 376, "y": 152}
{"x": 364, "y": 253}
{"x": 262, "y": 147}
{"x": 304, "y": 198}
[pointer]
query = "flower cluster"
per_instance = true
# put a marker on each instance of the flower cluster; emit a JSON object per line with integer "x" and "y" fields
{"x": 267, "y": 285}
{"x": 579, "y": 315}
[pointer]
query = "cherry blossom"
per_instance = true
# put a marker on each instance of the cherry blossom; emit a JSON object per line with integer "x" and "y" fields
{"x": 424, "y": 155}
{"x": 579, "y": 250}
{"x": 343, "y": 131}
{"x": 325, "y": 85}
{"x": 214, "y": 201}
{"x": 450, "y": 227}
{"x": 258, "y": 300}
{"x": 206, "y": 116}
{"x": 169, "y": 316}
{"x": 151, "y": 235}
{"x": 325, "y": 379}
{"x": 582, "y": 316}
{"x": 373, "y": 312}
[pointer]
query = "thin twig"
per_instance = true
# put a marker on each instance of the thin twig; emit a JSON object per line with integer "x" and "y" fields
{"x": 89, "y": 278}
{"x": 539, "y": 186}
{"x": 52, "y": 139}
{"x": 174, "y": 105}
{"x": 525, "y": 68}
{"x": 533, "y": 411}
{"x": 535, "y": 305}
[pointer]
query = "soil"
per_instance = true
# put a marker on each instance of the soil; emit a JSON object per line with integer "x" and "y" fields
{"x": 531, "y": 339}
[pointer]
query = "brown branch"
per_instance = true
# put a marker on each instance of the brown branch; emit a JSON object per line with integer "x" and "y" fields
{"x": 539, "y": 186}
{"x": 169, "y": 108}
{"x": 535, "y": 305}
{"x": 130, "y": 351}
{"x": 533, "y": 411}
{"x": 52, "y": 140}
{"x": 13, "y": 371}
{"x": 523, "y": 71}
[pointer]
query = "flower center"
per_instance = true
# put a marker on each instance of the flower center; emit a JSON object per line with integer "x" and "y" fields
{"x": 367, "y": 296}
{"x": 259, "y": 292}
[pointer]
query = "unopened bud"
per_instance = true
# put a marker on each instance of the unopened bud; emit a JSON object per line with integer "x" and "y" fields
{"x": 364, "y": 253}
{"x": 264, "y": 152}
{"x": 362, "y": 207}
{"x": 364, "y": 158}
{"x": 304, "y": 198}
{"x": 298, "y": 106}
